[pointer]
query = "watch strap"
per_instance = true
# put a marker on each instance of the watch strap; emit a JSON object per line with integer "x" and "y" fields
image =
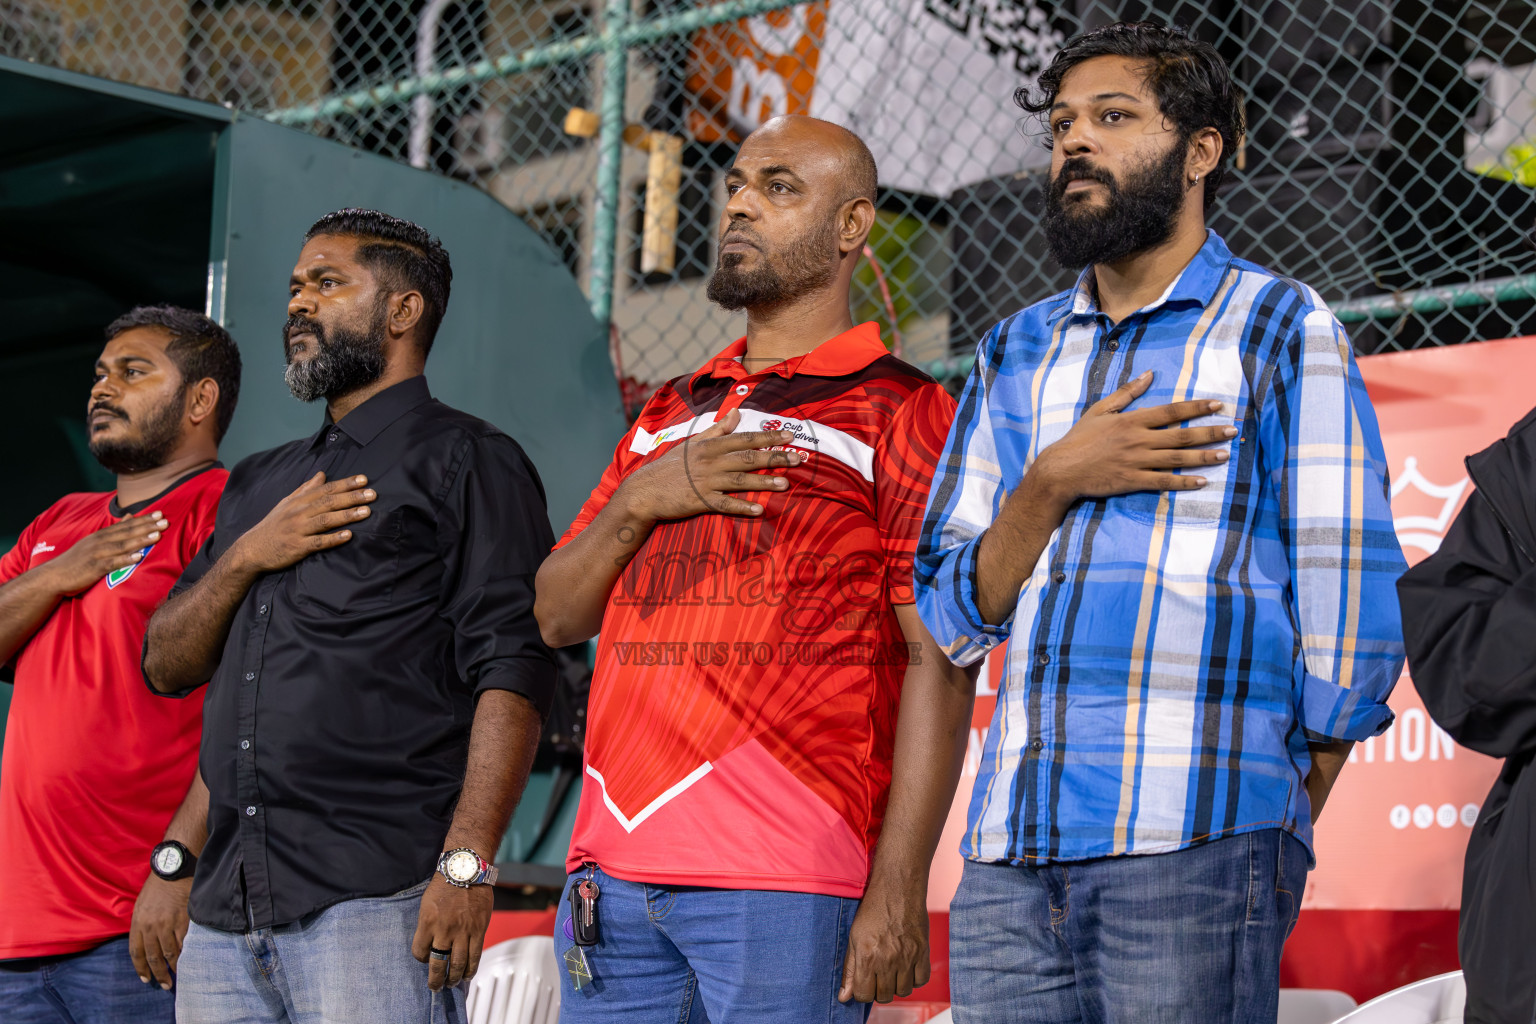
{"x": 188, "y": 861}
{"x": 486, "y": 875}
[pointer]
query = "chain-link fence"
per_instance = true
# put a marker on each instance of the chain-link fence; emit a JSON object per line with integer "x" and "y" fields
{"x": 1390, "y": 161}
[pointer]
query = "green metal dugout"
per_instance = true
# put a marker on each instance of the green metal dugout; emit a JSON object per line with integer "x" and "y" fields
{"x": 113, "y": 195}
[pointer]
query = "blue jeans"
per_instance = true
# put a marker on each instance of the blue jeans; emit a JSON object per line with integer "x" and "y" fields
{"x": 348, "y": 964}
{"x": 1192, "y": 937}
{"x": 682, "y": 955}
{"x": 99, "y": 986}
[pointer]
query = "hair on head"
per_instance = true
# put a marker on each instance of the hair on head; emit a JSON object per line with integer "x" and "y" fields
{"x": 199, "y": 347}
{"x": 1191, "y": 81}
{"x": 401, "y": 255}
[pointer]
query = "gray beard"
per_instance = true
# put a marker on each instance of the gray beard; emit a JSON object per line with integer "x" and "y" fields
{"x": 343, "y": 364}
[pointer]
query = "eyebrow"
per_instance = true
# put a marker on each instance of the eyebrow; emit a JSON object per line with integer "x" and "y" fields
{"x": 771, "y": 171}
{"x": 780, "y": 170}
{"x": 1100, "y": 98}
{"x": 122, "y": 360}
{"x": 313, "y": 272}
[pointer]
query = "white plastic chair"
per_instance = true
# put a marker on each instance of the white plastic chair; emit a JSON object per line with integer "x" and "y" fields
{"x": 1313, "y": 1005}
{"x": 518, "y": 983}
{"x": 1438, "y": 1000}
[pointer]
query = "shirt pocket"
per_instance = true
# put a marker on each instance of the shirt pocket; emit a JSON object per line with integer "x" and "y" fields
{"x": 1205, "y": 506}
{"x": 357, "y": 576}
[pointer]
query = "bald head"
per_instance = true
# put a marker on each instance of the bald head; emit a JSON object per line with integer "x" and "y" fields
{"x": 799, "y": 205}
{"x": 840, "y": 150}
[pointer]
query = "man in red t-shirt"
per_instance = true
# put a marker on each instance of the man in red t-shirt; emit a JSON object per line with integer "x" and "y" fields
{"x": 95, "y": 764}
{"x": 755, "y": 825}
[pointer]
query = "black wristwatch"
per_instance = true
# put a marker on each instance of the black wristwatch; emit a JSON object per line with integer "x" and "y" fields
{"x": 172, "y": 861}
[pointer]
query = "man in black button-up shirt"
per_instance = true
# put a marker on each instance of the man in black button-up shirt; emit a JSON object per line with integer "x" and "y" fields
{"x": 364, "y": 613}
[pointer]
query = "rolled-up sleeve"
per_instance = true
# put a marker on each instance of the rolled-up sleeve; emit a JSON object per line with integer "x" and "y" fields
{"x": 494, "y": 532}
{"x": 967, "y": 493}
{"x": 1323, "y": 451}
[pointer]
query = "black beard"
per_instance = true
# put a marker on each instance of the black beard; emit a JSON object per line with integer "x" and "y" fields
{"x": 1135, "y": 217}
{"x": 157, "y": 439}
{"x": 343, "y": 362}
{"x": 808, "y": 263}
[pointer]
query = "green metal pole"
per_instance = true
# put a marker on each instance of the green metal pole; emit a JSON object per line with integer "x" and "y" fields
{"x": 627, "y": 35}
{"x": 1435, "y": 300}
{"x": 1377, "y": 307}
{"x": 610, "y": 162}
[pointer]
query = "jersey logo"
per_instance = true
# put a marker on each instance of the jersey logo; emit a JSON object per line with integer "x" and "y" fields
{"x": 646, "y": 442}
{"x": 117, "y": 576}
{"x": 42, "y": 548}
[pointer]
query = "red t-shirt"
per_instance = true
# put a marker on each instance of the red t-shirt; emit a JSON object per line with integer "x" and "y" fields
{"x": 742, "y": 713}
{"x": 95, "y": 764}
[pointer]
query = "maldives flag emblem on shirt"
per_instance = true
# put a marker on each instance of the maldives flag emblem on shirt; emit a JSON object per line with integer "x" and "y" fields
{"x": 117, "y": 576}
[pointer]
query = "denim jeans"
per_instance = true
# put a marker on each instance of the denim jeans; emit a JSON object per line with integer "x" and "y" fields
{"x": 348, "y": 964}
{"x": 1191, "y": 937}
{"x": 99, "y": 986}
{"x": 682, "y": 955}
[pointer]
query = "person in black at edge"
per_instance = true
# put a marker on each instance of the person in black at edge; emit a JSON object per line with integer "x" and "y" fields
{"x": 1469, "y": 624}
{"x": 364, "y": 614}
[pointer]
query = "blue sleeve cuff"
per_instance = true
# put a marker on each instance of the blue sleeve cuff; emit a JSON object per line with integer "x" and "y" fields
{"x": 1331, "y": 714}
{"x": 947, "y": 604}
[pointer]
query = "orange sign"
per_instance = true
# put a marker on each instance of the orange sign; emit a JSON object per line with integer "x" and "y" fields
{"x": 746, "y": 72}
{"x": 1395, "y": 827}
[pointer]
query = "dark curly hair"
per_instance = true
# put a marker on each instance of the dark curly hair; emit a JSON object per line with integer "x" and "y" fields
{"x": 401, "y": 255}
{"x": 199, "y": 347}
{"x": 1192, "y": 83}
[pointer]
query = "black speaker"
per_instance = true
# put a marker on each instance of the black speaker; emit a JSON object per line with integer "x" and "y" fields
{"x": 1317, "y": 80}
{"x": 998, "y": 262}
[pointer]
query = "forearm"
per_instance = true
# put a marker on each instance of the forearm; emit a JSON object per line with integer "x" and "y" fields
{"x": 574, "y": 582}
{"x": 932, "y": 727}
{"x": 186, "y": 635}
{"x": 1327, "y": 761}
{"x": 502, "y": 742}
{"x": 189, "y": 825}
{"x": 25, "y": 604}
{"x": 1013, "y": 544}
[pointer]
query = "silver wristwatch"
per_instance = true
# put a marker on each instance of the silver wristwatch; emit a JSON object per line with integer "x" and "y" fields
{"x": 464, "y": 868}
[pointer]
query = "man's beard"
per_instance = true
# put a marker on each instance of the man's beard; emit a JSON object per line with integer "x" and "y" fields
{"x": 157, "y": 438}
{"x": 344, "y": 360}
{"x": 1135, "y": 216}
{"x": 809, "y": 262}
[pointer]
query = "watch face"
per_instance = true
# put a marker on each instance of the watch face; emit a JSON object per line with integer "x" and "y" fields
{"x": 462, "y": 866}
{"x": 168, "y": 860}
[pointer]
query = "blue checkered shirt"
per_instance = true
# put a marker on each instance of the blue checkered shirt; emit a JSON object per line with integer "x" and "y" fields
{"x": 1171, "y": 655}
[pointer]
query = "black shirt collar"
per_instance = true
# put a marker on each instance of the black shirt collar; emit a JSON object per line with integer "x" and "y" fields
{"x": 368, "y": 420}
{"x": 118, "y": 511}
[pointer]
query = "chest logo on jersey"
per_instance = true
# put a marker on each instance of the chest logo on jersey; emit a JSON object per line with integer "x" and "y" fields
{"x": 646, "y": 442}
{"x": 42, "y": 548}
{"x": 117, "y": 576}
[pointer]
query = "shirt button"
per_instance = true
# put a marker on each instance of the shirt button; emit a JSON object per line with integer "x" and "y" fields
{"x": 1042, "y": 658}
{"x": 250, "y": 675}
{"x": 263, "y": 610}
{"x": 331, "y": 438}
{"x": 1059, "y": 576}
{"x": 250, "y": 812}
{"x": 742, "y": 389}
{"x": 245, "y": 744}
{"x": 1037, "y": 745}
{"x": 1114, "y": 346}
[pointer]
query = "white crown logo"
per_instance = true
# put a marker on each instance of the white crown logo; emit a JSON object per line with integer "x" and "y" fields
{"x": 1425, "y": 532}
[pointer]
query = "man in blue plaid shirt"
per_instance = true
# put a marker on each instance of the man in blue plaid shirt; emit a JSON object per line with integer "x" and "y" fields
{"x": 1187, "y": 663}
